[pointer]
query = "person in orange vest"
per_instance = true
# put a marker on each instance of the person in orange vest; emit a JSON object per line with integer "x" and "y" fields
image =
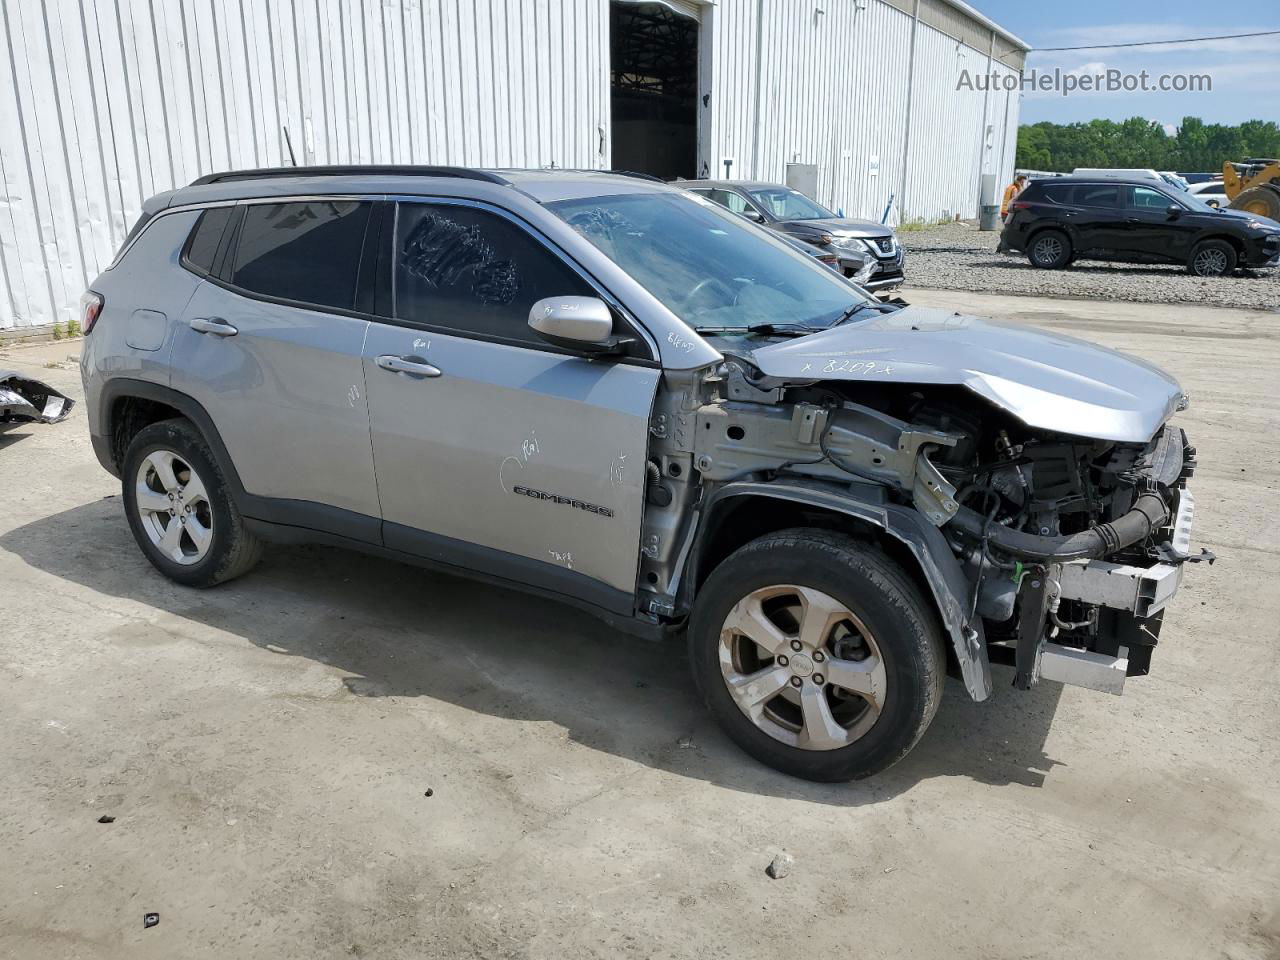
{"x": 1011, "y": 191}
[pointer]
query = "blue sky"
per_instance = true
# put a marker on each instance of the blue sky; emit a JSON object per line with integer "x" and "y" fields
{"x": 1245, "y": 73}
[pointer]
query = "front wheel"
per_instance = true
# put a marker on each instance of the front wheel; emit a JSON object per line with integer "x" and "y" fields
{"x": 817, "y": 654}
{"x": 1212, "y": 258}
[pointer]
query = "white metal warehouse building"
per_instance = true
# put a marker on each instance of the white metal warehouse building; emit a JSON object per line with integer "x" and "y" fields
{"x": 106, "y": 102}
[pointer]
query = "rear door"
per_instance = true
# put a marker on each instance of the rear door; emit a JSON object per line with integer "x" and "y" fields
{"x": 496, "y": 451}
{"x": 271, "y": 345}
{"x": 1098, "y": 218}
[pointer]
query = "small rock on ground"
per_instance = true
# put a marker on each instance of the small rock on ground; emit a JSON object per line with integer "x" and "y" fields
{"x": 780, "y": 866}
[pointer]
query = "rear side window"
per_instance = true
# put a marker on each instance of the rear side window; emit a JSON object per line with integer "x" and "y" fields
{"x": 308, "y": 251}
{"x": 1097, "y": 195}
{"x": 475, "y": 272}
{"x": 1057, "y": 193}
{"x": 202, "y": 247}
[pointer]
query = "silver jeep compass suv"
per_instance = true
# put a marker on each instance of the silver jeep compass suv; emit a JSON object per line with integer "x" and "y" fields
{"x": 611, "y": 392}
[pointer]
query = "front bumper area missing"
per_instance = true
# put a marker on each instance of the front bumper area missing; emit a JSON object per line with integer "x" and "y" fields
{"x": 1131, "y": 601}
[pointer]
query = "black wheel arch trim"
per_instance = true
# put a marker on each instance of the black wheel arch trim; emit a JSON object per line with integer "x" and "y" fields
{"x": 925, "y": 542}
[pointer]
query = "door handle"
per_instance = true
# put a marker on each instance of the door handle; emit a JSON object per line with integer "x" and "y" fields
{"x": 1132, "y": 219}
{"x": 215, "y": 325}
{"x": 407, "y": 365}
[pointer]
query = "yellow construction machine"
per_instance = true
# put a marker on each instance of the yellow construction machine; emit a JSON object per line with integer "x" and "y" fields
{"x": 1254, "y": 186}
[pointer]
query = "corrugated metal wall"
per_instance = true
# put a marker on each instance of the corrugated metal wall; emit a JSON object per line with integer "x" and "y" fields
{"x": 833, "y": 92}
{"x": 106, "y": 102}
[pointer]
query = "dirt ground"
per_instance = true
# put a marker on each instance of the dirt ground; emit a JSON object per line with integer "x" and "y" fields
{"x": 267, "y": 749}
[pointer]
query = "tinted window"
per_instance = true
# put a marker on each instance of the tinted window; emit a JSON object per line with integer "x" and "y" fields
{"x": 475, "y": 271}
{"x": 308, "y": 251}
{"x": 206, "y": 237}
{"x": 1097, "y": 195}
{"x": 1147, "y": 199}
{"x": 1057, "y": 192}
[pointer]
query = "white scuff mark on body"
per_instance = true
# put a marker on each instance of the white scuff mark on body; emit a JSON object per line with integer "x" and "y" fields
{"x": 565, "y": 559}
{"x": 617, "y": 469}
{"x": 353, "y": 395}
{"x": 529, "y": 448}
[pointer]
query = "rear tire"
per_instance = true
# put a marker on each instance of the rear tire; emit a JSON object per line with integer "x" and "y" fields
{"x": 850, "y": 672}
{"x": 1050, "y": 250}
{"x": 180, "y": 507}
{"x": 1212, "y": 258}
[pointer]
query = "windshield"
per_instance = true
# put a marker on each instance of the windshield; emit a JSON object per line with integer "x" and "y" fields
{"x": 707, "y": 266}
{"x": 783, "y": 203}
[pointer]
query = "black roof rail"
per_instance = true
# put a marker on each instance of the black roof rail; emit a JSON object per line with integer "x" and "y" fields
{"x": 385, "y": 170}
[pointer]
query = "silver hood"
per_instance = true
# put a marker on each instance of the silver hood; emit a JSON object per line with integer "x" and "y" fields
{"x": 1046, "y": 380}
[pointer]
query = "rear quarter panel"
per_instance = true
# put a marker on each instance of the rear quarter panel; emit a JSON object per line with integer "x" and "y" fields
{"x": 144, "y": 295}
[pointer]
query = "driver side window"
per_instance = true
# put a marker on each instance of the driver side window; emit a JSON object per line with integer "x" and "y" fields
{"x": 1145, "y": 198}
{"x": 471, "y": 271}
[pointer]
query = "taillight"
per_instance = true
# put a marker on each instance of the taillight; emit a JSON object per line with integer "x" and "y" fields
{"x": 1021, "y": 205}
{"x": 90, "y": 308}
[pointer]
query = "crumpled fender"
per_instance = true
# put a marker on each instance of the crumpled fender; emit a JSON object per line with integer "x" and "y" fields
{"x": 22, "y": 398}
{"x": 939, "y": 566}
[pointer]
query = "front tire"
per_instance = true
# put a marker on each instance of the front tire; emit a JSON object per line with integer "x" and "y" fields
{"x": 180, "y": 507}
{"x": 1212, "y": 258}
{"x": 817, "y": 654}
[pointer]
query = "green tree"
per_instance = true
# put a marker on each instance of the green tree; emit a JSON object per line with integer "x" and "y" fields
{"x": 1139, "y": 142}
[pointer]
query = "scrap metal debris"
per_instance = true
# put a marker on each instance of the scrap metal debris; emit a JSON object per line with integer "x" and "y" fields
{"x": 22, "y": 398}
{"x": 150, "y": 920}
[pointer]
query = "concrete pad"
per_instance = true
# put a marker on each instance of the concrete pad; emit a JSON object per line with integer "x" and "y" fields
{"x": 266, "y": 748}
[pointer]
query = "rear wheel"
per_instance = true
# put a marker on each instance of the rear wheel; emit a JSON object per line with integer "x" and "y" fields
{"x": 1050, "y": 250}
{"x": 817, "y": 654}
{"x": 1212, "y": 258}
{"x": 180, "y": 508}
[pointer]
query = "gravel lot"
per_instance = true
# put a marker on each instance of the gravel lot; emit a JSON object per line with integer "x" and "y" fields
{"x": 266, "y": 749}
{"x": 957, "y": 256}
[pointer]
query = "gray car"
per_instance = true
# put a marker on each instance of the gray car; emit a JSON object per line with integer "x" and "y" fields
{"x": 869, "y": 252}
{"x": 609, "y": 392}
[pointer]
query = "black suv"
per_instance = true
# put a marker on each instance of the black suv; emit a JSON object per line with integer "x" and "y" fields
{"x": 1057, "y": 221}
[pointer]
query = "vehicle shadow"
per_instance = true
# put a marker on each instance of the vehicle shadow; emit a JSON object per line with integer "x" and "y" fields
{"x": 395, "y": 630}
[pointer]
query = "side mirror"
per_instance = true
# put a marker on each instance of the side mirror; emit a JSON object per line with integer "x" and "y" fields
{"x": 755, "y": 216}
{"x": 1173, "y": 211}
{"x": 577, "y": 323}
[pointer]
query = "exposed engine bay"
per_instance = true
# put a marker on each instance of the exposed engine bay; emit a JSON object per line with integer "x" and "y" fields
{"x": 1060, "y": 550}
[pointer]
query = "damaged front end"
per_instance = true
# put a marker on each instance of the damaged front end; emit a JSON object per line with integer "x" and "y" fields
{"x": 23, "y": 399}
{"x": 1052, "y": 552}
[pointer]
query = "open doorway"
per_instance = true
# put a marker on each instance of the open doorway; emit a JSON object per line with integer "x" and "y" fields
{"x": 653, "y": 89}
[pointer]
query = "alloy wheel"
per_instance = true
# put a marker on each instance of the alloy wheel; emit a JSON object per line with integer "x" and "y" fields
{"x": 802, "y": 667}
{"x": 173, "y": 507}
{"x": 1048, "y": 250}
{"x": 1211, "y": 263}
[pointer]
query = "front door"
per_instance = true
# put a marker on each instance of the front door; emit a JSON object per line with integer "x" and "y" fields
{"x": 271, "y": 348}
{"x": 495, "y": 451}
{"x": 1152, "y": 231}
